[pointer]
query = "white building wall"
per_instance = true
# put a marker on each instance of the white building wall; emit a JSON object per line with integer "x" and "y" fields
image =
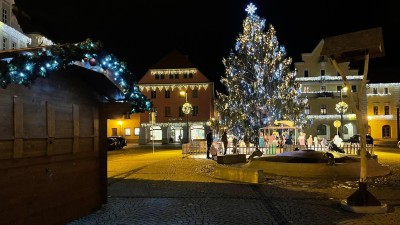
{"x": 11, "y": 35}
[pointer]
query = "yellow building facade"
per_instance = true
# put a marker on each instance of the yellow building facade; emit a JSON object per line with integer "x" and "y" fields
{"x": 125, "y": 127}
{"x": 323, "y": 87}
{"x": 383, "y": 106}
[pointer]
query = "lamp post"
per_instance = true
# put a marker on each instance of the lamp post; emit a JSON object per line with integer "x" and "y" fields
{"x": 341, "y": 107}
{"x": 186, "y": 109}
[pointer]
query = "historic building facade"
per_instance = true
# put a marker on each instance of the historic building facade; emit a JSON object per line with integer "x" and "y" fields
{"x": 11, "y": 35}
{"x": 383, "y": 110}
{"x": 169, "y": 84}
{"x": 324, "y": 88}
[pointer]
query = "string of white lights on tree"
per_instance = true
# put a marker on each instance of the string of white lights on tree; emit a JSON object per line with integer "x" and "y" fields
{"x": 260, "y": 85}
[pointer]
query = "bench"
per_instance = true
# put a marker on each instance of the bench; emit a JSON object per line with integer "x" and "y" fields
{"x": 231, "y": 159}
{"x": 247, "y": 175}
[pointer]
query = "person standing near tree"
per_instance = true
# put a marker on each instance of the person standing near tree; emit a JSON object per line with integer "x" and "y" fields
{"x": 209, "y": 139}
{"x": 224, "y": 140}
{"x": 246, "y": 140}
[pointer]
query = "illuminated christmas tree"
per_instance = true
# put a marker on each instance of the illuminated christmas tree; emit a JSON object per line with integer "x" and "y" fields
{"x": 260, "y": 85}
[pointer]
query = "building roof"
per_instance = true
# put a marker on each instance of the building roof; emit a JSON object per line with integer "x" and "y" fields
{"x": 174, "y": 60}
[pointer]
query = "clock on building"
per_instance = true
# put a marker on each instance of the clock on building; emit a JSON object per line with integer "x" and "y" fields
{"x": 187, "y": 108}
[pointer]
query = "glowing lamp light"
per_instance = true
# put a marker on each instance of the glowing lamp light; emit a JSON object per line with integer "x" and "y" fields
{"x": 341, "y": 107}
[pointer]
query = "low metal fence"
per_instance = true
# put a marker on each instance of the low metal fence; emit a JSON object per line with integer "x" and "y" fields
{"x": 194, "y": 147}
{"x": 200, "y": 147}
{"x": 349, "y": 149}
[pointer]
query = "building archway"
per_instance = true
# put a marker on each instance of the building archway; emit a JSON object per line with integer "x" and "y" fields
{"x": 324, "y": 131}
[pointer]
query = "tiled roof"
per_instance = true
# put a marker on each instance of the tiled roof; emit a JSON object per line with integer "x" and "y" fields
{"x": 174, "y": 60}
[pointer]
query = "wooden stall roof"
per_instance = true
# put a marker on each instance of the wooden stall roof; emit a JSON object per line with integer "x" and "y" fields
{"x": 99, "y": 81}
{"x": 353, "y": 46}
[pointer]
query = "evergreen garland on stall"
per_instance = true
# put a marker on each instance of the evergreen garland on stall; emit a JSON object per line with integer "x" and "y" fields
{"x": 24, "y": 68}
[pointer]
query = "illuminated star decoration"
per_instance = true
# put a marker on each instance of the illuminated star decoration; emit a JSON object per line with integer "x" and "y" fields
{"x": 251, "y": 9}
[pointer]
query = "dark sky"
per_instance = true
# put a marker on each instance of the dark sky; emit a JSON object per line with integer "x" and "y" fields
{"x": 142, "y": 32}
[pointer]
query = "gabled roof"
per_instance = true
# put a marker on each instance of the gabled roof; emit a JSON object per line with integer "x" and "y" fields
{"x": 174, "y": 60}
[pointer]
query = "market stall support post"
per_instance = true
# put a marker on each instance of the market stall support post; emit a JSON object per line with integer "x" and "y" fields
{"x": 342, "y": 110}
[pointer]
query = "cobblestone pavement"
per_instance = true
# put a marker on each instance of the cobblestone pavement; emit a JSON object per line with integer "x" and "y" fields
{"x": 164, "y": 188}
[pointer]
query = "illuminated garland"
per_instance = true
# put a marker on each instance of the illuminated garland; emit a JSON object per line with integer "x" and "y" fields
{"x": 341, "y": 107}
{"x": 24, "y": 68}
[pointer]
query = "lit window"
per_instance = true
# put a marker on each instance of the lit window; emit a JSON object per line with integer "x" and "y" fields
{"x": 307, "y": 110}
{"x": 387, "y": 110}
{"x": 128, "y": 131}
{"x": 376, "y": 110}
{"x": 136, "y": 131}
{"x": 323, "y": 110}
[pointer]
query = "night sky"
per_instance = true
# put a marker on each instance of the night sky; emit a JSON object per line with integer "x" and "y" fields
{"x": 142, "y": 32}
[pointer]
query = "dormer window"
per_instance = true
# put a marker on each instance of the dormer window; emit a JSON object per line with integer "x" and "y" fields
{"x": 322, "y": 72}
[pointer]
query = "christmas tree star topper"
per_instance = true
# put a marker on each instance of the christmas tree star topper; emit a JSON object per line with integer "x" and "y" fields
{"x": 251, "y": 9}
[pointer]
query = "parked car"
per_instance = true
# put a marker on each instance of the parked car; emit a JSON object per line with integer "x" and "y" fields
{"x": 112, "y": 143}
{"x": 121, "y": 141}
{"x": 356, "y": 139}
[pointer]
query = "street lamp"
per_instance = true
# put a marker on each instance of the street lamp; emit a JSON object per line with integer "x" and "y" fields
{"x": 186, "y": 109}
{"x": 341, "y": 108}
